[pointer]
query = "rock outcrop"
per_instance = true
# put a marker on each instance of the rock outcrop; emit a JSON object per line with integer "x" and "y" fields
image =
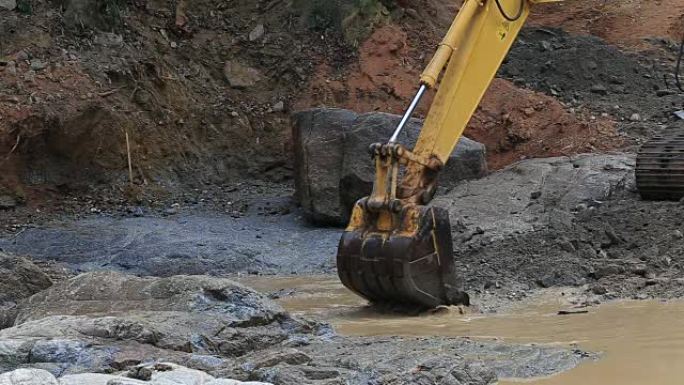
{"x": 529, "y": 194}
{"x": 109, "y": 328}
{"x": 99, "y": 321}
{"x": 332, "y": 166}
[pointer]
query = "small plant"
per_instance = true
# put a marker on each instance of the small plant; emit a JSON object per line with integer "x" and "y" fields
{"x": 103, "y": 15}
{"x": 24, "y": 6}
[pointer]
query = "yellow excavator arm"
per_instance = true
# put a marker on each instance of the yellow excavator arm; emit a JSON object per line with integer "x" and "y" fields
{"x": 396, "y": 248}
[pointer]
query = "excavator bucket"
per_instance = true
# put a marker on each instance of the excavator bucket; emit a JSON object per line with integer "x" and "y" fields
{"x": 398, "y": 248}
{"x": 413, "y": 263}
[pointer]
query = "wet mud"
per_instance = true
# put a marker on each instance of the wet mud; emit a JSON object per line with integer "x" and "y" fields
{"x": 636, "y": 342}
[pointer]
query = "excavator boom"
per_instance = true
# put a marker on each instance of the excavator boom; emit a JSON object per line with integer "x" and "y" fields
{"x": 397, "y": 248}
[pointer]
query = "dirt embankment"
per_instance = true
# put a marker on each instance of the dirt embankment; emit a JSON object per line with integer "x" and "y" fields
{"x": 513, "y": 123}
{"x": 630, "y": 23}
{"x": 202, "y": 90}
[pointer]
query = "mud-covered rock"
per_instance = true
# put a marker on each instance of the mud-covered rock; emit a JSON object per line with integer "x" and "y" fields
{"x": 332, "y": 166}
{"x": 528, "y": 195}
{"x": 359, "y": 361}
{"x": 100, "y": 321}
{"x": 545, "y": 217}
{"x": 240, "y": 75}
{"x": 19, "y": 279}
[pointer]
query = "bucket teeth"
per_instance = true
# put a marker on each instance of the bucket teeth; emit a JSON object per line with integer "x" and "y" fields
{"x": 401, "y": 266}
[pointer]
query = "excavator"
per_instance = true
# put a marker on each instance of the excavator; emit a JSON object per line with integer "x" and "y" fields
{"x": 397, "y": 248}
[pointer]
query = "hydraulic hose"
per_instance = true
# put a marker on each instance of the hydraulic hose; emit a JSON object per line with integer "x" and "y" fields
{"x": 506, "y": 16}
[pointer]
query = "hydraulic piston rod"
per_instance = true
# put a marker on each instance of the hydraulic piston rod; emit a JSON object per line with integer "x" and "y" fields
{"x": 409, "y": 112}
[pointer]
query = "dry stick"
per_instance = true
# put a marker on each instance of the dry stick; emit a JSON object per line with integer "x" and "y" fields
{"x": 130, "y": 163}
{"x": 15, "y": 145}
{"x": 2, "y": 161}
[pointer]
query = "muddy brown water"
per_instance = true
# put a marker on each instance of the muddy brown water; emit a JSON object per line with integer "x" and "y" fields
{"x": 642, "y": 342}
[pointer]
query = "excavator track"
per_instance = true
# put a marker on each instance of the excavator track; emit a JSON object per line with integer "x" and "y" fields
{"x": 660, "y": 167}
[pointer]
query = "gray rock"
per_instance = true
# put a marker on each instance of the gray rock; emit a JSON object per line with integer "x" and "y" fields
{"x": 270, "y": 359}
{"x": 158, "y": 374}
{"x": 240, "y": 75}
{"x": 38, "y": 65}
{"x": 8, "y": 4}
{"x": 108, "y": 39}
{"x": 28, "y": 377}
{"x": 98, "y": 379}
{"x": 109, "y": 293}
{"x": 11, "y": 69}
{"x": 178, "y": 375}
{"x": 21, "y": 56}
{"x": 599, "y": 89}
{"x": 279, "y": 106}
{"x": 599, "y": 289}
{"x": 257, "y": 33}
{"x": 235, "y": 382}
{"x": 609, "y": 270}
{"x": 332, "y": 166}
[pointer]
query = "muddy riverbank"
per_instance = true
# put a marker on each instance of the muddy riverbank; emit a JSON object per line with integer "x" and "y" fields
{"x": 637, "y": 341}
{"x": 568, "y": 221}
{"x": 111, "y": 323}
{"x": 559, "y": 222}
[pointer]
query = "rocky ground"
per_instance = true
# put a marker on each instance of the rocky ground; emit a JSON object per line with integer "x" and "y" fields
{"x": 116, "y": 278}
{"x": 115, "y": 325}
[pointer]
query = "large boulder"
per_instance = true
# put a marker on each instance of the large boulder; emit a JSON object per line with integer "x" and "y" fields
{"x": 19, "y": 279}
{"x": 319, "y": 137}
{"x": 334, "y": 170}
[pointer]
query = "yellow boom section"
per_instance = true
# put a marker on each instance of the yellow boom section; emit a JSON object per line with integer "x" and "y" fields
{"x": 474, "y": 47}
